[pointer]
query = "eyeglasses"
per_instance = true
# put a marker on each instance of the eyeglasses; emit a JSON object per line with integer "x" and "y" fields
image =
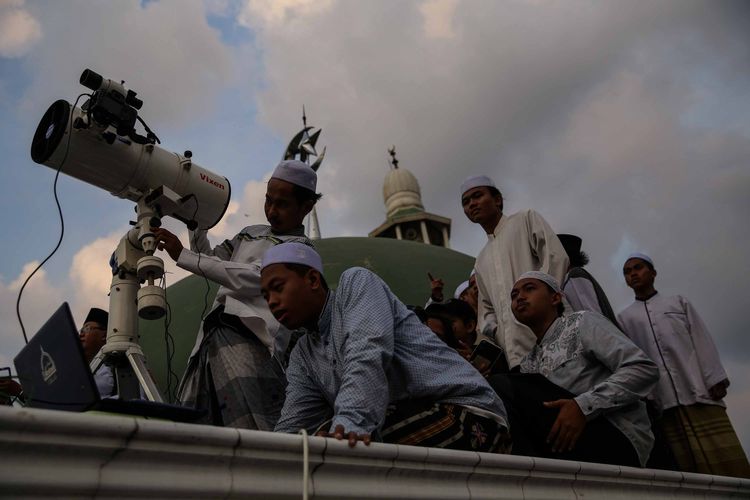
{"x": 90, "y": 328}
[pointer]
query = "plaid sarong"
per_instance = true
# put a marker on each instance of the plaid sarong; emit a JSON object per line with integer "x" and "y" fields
{"x": 233, "y": 377}
{"x": 443, "y": 425}
{"x": 703, "y": 440}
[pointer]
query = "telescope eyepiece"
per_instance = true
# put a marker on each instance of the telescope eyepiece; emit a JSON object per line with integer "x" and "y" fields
{"x": 91, "y": 79}
{"x": 132, "y": 100}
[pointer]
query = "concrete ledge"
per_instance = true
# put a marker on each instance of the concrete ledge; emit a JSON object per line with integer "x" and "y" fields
{"x": 61, "y": 454}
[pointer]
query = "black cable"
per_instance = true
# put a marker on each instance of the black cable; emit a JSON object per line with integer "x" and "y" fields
{"x": 170, "y": 348}
{"x": 149, "y": 133}
{"x": 205, "y": 296}
{"x": 198, "y": 264}
{"x": 62, "y": 220}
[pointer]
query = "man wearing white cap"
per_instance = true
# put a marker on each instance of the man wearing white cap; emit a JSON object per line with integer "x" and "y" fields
{"x": 580, "y": 390}
{"x": 693, "y": 382}
{"x": 367, "y": 368}
{"x": 520, "y": 242}
{"x": 234, "y": 371}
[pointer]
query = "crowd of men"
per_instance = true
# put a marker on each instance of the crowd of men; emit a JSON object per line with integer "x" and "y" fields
{"x": 527, "y": 357}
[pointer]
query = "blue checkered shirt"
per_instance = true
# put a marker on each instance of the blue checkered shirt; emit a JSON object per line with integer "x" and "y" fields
{"x": 369, "y": 351}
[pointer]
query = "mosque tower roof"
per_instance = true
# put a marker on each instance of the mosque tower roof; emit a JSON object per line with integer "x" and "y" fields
{"x": 406, "y": 218}
{"x": 401, "y": 192}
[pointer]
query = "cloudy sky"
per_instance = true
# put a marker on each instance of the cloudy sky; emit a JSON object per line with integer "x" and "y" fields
{"x": 624, "y": 122}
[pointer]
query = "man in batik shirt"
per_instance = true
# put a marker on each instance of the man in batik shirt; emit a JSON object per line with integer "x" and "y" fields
{"x": 580, "y": 390}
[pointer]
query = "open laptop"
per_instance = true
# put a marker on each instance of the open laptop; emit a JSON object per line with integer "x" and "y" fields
{"x": 54, "y": 374}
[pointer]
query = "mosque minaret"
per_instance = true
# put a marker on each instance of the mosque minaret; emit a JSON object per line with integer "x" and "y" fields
{"x": 406, "y": 218}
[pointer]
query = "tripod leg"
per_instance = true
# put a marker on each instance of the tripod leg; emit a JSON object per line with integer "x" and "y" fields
{"x": 128, "y": 386}
{"x": 138, "y": 363}
{"x": 96, "y": 362}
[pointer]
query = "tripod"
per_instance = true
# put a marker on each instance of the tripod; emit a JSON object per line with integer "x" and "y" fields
{"x": 133, "y": 264}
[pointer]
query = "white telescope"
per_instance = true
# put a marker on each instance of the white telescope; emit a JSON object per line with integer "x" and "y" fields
{"x": 103, "y": 150}
{"x": 97, "y": 143}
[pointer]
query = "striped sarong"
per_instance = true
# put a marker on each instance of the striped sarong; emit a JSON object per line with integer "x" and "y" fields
{"x": 234, "y": 377}
{"x": 703, "y": 440}
{"x": 443, "y": 425}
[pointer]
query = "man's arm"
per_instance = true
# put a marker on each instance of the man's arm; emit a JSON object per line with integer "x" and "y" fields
{"x": 304, "y": 407}
{"x": 237, "y": 276}
{"x": 633, "y": 373}
{"x": 366, "y": 343}
{"x": 709, "y": 362}
{"x": 168, "y": 241}
{"x": 436, "y": 291}
{"x": 547, "y": 247}
{"x": 241, "y": 277}
{"x": 199, "y": 243}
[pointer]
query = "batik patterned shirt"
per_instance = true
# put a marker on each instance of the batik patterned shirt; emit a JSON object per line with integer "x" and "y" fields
{"x": 585, "y": 354}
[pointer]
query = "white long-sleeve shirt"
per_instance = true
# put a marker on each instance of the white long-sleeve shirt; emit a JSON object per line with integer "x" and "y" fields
{"x": 235, "y": 265}
{"x": 671, "y": 333}
{"x": 521, "y": 242}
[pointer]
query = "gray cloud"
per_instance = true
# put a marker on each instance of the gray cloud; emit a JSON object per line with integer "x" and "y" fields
{"x": 594, "y": 116}
{"x": 165, "y": 50}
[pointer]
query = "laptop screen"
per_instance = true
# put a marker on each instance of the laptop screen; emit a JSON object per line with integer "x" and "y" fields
{"x": 52, "y": 367}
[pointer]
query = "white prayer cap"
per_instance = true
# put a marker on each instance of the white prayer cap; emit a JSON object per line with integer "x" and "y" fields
{"x": 476, "y": 181}
{"x": 296, "y": 172}
{"x": 544, "y": 277}
{"x": 642, "y": 256}
{"x": 292, "y": 253}
{"x": 460, "y": 289}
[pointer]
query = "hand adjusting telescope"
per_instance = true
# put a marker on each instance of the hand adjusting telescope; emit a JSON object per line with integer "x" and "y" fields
{"x": 97, "y": 143}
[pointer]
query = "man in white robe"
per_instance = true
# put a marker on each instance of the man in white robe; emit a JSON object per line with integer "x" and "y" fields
{"x": 519, "y": 242}
{"x": 692, "y": 381}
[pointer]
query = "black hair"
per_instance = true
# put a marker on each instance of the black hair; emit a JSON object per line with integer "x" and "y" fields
{"x": 301, "y": 270}
{"x": 438, "y": 312}
{"x": 303, "y": 195}
{"x": 496, "y": 192}
{"x": 419, "y": 311}
{"x": 645, "y": 262}
{"x": 461, "y": 310}
{"x": 579, "y": 260}
{"x": 561, "y": 305}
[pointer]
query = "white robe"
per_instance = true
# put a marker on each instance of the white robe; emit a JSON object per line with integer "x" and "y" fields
{"x": 671, "y": 333}
{"x": 521, "y": 242}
